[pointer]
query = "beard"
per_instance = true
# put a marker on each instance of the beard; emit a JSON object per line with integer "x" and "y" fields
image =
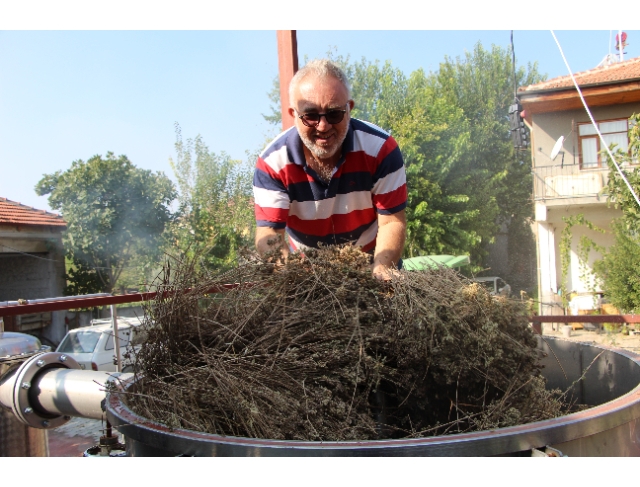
{"x": 323, "y": 152}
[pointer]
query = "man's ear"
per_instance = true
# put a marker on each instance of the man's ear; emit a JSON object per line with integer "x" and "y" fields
{"x": 351, "y": 104}
{"x": 292, "y": 112}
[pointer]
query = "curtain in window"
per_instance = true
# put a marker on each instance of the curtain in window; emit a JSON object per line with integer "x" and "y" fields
{"x": 589, "y": 153}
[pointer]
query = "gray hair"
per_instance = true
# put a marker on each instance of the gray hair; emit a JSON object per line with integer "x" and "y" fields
{"x": 321, "y": 68}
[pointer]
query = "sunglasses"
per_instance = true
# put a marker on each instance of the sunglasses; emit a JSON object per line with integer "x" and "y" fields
{"x": 313, "y": 119}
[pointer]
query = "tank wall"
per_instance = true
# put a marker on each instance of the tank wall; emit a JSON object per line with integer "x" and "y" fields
{"x": 608, "y": 375}
{"x": 611, "y": 428}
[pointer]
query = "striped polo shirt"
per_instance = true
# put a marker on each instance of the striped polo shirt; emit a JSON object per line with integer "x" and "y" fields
{"x": 369, "y": 179}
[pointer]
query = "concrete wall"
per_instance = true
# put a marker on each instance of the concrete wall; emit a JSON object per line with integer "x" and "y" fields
{"x": 32, "y": 267}
{"x": 548, "y": 127}
{"x": 548, "y": 237}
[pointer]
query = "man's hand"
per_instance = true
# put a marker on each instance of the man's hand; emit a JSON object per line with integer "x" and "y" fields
{"x": 267, "y": 241}
{"x": 385, "y": 273}
{"x": 392, "y": 231}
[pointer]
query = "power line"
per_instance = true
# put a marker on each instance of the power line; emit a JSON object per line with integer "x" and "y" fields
{"x": 595, "y": 125}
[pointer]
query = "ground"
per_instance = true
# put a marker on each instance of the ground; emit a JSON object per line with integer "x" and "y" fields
{"x": 72, "y": 439}
{"x": 629, "y": 342}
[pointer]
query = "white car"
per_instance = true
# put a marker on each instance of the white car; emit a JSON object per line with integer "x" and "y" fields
{"x": 495, "y": 285}
{"x": 93, "y": 348}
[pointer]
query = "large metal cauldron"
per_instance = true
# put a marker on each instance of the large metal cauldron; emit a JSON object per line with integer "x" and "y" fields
{"x": 610, "y": 428}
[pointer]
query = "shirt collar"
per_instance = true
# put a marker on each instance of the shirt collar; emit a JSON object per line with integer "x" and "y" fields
{"x": 296, "y": 153}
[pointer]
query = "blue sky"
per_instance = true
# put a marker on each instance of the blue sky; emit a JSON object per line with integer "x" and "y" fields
{"x": 72, "y": 94}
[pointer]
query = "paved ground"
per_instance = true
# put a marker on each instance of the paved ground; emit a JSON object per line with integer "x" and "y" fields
{"x": 629, "y": 342}
{"x": 75, "y": 437}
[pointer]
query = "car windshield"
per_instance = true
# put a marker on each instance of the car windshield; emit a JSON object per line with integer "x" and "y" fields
{"x": 80, "y": 342}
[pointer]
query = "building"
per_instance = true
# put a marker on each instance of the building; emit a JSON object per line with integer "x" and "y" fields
{"x": 572, "y": 182}
{"x": 32, "y": 266}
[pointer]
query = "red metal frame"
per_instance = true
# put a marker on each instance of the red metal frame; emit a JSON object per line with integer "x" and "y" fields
{"x": 586, "y": 319}
{"x": 287, "y": 65}
{"x": 75, "y": 302}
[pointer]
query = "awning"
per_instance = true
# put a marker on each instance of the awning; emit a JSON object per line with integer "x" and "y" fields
{"x": 433, "y": 261}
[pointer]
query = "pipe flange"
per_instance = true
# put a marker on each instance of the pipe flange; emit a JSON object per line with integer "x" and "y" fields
{"x": 22, "y": 406}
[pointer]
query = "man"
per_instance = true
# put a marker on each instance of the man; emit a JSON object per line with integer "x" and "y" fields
{"x": 331, "y": 179}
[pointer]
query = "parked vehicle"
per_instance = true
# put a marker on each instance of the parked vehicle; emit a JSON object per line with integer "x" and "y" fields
{"x": 93, "y": 346}
{"x": 495, "y": 285}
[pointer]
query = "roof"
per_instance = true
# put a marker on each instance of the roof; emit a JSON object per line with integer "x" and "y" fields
{"x": 105, "y": 324}
{"x": 609, "y": 74}
{"x": 14, "y": 213}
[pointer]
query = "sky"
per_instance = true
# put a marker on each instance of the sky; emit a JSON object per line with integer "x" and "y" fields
{"x": 72, "y": 93}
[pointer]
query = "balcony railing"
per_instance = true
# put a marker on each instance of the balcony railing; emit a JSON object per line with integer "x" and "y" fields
{"x": 568, "y": 181}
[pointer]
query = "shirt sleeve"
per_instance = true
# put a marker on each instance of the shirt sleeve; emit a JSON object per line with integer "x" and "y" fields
{"x": 389, "y": 191}
{"x": 271, "y": 200}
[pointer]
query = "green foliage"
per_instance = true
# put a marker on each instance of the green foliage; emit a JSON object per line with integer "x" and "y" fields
{"x": 275, "y": 117}
{"x": 584, "y": 248}
{"x": 115, "y": 212}
{"x": 216, "y": 207}
{"x": 463, "y": 177}
{"x": 619, "y": 269}
{"x": 617, "y": 189}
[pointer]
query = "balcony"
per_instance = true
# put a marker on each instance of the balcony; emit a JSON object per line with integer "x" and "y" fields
{"x": 558, "y": 183}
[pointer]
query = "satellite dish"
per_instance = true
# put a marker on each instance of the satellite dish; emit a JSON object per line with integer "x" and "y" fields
{"x": 557, "y": 148}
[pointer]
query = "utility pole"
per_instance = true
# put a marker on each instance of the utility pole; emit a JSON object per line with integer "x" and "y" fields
{"x": 287, "y": 65}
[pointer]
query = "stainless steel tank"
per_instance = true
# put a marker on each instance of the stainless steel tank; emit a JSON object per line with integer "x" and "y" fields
{"x": 610, "y": 428}
{"x": 16, "y": 438}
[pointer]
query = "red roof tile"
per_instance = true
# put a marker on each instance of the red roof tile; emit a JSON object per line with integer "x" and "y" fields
{"x": 609, "y": 74}
{"x": 13, "y": 213}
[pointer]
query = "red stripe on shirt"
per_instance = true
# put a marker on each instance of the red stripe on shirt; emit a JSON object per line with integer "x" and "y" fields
{"x": 391, "y": 199}
{"x": 389, "y": 146}
{"x": 275, "y": 215}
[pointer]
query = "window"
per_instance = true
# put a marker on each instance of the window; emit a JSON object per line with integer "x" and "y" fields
{"x": 123, "y": 339}
{"x": 83, "y": 341}
{"x": 613, "y": 132}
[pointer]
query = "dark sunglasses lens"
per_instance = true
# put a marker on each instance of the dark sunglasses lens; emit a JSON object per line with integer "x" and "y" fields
{"x": 334, "y": 116}
{"x": 311, "y": 117}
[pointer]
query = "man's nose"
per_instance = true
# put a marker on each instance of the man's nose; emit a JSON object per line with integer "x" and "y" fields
{"x": 323, "y": 125}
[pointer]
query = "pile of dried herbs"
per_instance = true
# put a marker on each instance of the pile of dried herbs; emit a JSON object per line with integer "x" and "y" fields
{"x": 318, "y": 349}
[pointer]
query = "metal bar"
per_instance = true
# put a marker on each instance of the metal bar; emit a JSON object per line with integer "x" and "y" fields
{"x": 13, "y": 308}
{"x": 287, "y": 66}
{"x": 116, "y": 337}
{"x": 585, "y": 319}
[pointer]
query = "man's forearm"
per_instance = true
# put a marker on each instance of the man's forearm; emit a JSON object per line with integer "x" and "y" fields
{"x": 392, "y": 230}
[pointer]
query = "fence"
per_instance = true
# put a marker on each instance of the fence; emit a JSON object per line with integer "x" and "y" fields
{"x": 568, "y": 181}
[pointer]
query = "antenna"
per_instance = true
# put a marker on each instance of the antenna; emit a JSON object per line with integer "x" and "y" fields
{"x": 557, "y": 148}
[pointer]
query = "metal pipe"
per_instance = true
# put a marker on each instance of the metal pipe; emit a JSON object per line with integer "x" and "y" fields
{"x": 51, "y": 300}
{"x": 116, "y": 337}
{"x": 49, "y": 388}
{"x": 76, "y": 393}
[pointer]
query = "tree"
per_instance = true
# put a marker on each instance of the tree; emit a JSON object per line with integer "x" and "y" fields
{"x": 496, "y": 178}
{"x": 619, "y": 267}
{"x": 115, "y": 214}
{"x": 216, "y": 203}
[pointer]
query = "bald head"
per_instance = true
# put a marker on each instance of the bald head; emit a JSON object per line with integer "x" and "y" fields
{"x": 320, "y": 69}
